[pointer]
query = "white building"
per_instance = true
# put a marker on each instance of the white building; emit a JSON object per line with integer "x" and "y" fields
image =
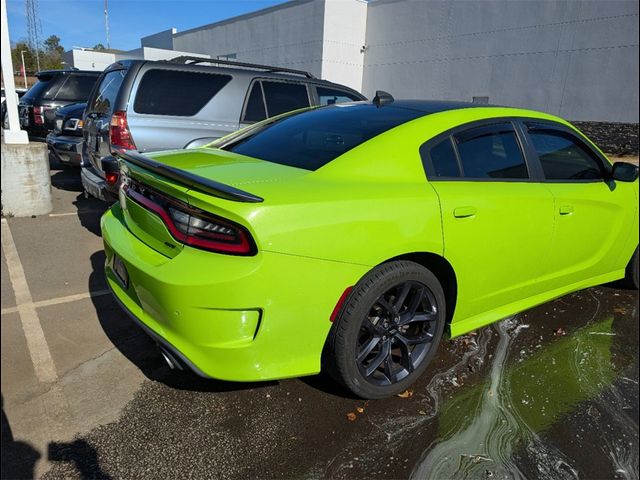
{"x": 574, "y": 58}
{"x": 90, "y": 59}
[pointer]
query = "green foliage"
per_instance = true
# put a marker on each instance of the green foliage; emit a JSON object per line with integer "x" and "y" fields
{"x": 50, "y": 54}
{"x": 99, "y": 46}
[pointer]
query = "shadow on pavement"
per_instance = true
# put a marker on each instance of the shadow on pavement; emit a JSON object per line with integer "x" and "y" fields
{"x": 81, "y": 454}
{"x": 18, "y": 458}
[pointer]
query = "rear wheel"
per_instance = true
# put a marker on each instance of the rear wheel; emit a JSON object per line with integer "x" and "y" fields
{"x": 388, "y": 330}
{"x": 631, "y": 276}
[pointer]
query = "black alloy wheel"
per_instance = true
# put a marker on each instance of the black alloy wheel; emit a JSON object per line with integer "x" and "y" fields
{"x": 397, "y": 333}
{"x": 387, "y": 331}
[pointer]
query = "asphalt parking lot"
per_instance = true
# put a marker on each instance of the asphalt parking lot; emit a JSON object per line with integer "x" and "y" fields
{"x": 550, "y": 393}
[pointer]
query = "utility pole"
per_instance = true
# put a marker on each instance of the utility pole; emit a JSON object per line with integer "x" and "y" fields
{"x": 24, "y": 69}
{"x": 106, "y": 20}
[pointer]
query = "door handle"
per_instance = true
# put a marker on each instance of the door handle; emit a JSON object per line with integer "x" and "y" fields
{"x": 566, "y": 209}
{"x": 464, "y": 212}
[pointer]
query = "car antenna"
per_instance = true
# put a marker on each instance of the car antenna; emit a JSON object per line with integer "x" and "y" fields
{"x": 382, "y": 98}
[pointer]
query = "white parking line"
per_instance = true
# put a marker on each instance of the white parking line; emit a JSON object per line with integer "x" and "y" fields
{"x": 77, "y": 212}
{"x": 36, "y": 342}
{"x": 59, "y": 300}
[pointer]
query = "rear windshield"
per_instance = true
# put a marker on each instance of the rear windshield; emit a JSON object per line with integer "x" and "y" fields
{"x": 76, "y": 87}
{"x": 45, "y": 88}
{"x": 177, "y": 93}
{"x": 313, "y": 138}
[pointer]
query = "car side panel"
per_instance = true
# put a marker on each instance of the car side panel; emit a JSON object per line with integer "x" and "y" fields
{"x": 499, "y": 253}
{"x": 217, "y": 118}
{"x": 593, "y": 222}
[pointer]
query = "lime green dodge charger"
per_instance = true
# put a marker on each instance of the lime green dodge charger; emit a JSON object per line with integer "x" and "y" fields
{"x": 353, "y": 237}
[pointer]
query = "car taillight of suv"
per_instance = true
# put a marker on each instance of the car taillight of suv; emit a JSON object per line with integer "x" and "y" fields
{"x": 38, "y": 115}
{"x": 119, "y": 133}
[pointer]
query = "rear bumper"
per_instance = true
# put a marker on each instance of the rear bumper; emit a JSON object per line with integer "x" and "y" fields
{"x": 66, "y": 149}
{"x": 95, "y": 185}
{"x": 231, "y": 318}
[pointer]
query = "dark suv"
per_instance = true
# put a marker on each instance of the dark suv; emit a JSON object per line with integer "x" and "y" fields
{"x": 54, "y": 89}
{"x": 186, "y": 102}
{"x": 65, "y": 140}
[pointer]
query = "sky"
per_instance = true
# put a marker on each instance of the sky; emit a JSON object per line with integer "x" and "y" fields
{"x": 80, "y": 23}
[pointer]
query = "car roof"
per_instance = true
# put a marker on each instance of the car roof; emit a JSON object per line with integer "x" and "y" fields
{"x": 67, "y": 70}
{"x": 435, "y": 106}
{"x": 237, "y": 71}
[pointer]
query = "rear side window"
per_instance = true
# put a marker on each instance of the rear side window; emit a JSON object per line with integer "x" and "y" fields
{"x": 76, "y": 87}
{"x": 284, "y": 97}
{"x": 105, "y": 98}
{"x": 176, "y": 92}
{"x": 491, "y": 152}
{"x": 443, "y": 158}
{"x": 255, "y": 110}
{"x": 563, "y": 158}
{"x": 330, "y": 96}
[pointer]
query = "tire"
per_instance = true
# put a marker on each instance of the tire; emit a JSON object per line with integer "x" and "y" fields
{"x": 631, "y": 274}
{"x": 371, "y": 327}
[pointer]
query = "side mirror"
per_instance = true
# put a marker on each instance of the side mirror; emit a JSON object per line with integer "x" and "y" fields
{"x": 624, "y": 172}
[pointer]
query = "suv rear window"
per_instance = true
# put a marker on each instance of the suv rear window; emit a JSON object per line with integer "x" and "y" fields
{"x": 283, "y": 97}
{"x": 311, "y": 139}
{"x": 105, "y": 98}
{"x": 76, "y": 87}
{"x": 176, "y": 92}
{"x": 44, "y": 88}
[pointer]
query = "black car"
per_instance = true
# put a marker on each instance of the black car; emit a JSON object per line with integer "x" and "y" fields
{"x": 54, "y": 89}
{"x": 65, "y": 140}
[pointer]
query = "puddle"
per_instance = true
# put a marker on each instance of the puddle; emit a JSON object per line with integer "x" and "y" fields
{"x": 514, "y": 424}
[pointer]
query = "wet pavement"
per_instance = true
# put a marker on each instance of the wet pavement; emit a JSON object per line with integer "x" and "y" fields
{"x": 550, "y": 393}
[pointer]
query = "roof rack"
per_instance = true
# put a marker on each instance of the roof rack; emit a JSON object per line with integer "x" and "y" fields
{"x": 189, "y": 60}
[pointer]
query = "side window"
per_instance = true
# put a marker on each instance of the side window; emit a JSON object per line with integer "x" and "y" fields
{"x": 105, "y": 97}
{"x": 331, "y": 96}
{"x": 255, "y": 111}
{"x": 443, "y": 158}
{"x": 283, "y": 97}
{"x": 491, "y": 152}
{"x": 177, "y": 92}
{"x": 563, "y": 157}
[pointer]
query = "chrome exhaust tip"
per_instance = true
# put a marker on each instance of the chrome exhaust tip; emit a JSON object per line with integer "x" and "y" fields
{"x": 170, "y": 359}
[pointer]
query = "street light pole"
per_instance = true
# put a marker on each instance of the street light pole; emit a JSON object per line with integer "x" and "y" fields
{"x": 24, "y": 69}
{"x": 106, "y": 20}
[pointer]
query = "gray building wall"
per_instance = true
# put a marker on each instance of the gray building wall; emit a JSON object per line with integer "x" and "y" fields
{"x": 162, "y": 39}
{"x": 574, "y": 58}
{"x": 288, "y": 35}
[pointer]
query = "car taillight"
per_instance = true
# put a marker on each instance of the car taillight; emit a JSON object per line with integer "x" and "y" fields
{"x": 192, "y": 226}
{"x": 111, "y": 177}
{"x": 119, "y": 134}
{"x": 38, "y": 115}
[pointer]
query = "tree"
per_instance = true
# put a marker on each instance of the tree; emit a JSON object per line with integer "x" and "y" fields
{"x": 52, "y": 45}
{"x": 99, "y": 46}
{"x": 29, "y": 57}
{"x": 50, "y": 55}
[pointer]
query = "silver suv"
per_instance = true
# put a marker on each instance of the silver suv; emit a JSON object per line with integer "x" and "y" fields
{"x": 186, "y": 102}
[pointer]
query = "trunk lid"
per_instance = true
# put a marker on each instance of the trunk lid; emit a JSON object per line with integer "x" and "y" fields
{"x": 227, "y": 168}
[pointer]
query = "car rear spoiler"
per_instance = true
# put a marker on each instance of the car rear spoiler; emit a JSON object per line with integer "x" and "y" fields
{"x": 195, "y": 182}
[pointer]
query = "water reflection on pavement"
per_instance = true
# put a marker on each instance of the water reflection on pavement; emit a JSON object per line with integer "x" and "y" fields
{"x": 561, "y": 406}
